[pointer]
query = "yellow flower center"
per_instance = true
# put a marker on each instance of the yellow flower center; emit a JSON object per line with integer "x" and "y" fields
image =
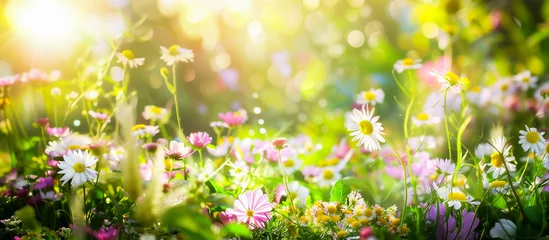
{"x": 497, "y": 160}
{"x": 327, "y": 174}
{"x": 526, "y": 80}
{"x": 128, "y": 54}
{"x": 138, "y": 127}
{"x": 249, "y": 213}
{"x": 547, "y": 148}
{"x": 531, "y": 155}
{"x": 459, "y": 196}
{"x": 407, "y": 62}
{"x": 174, "y": 50}
{"x": 369, "y": 96}
{"x": 366, "y": 127}
{"x": 452, "y": 78}
{"x": 475, "y": 89}
{"x": 423, "y": 116}
{"x": 498, "y": 184}
{"x": 341, "y": 233}
{"x": 395, "y": 221}
{"x": 168, "y": 164}
{"x": 368, "y": 213}
{"x": 460, "y": 182}
{"x": 289, "y": 163}
{"x": 379, "y": 211}
{"x": 332, "y": 209}
{"x": 532, "y": 137}
{"x": 504, "y": 87}
{"x": 156, "y": 110}
{"x": 79, "y": 167}
{"x": 237, "y": 170}
{"x": 356, "y": 224}
{"x": 404, "y": 230}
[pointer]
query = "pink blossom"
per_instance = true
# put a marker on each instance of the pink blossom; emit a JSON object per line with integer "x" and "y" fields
{"x": 199, "y": 139}
{"x": 234, "y": 118}
{"x": 424, "y": 72}
{"x": 226, "y": 217}
{"x": 341, "y": 150}
{"x": 280, "y": 143}
{"x": 178, "y": 151}
{"x": 103, "y": 234}
{"x": 57, "y": 132}
{"x": 8, "y": 80}
{"x": 43, "y": 121}
{"x": 99, "y": 116}
{"x": 252, "y": 208}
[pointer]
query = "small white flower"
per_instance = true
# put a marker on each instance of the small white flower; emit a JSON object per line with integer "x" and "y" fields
{"x": 407, "y": 63}
{"x": 424, "y": 118}
{"x": 176, "y": 54}
{"x": 117, "y": 74}
{"x": 483, "y": 149}
{"x": 448, "y": 80}
{"x": 327, "y": 177}
{"x": 370, "y": 97}
{"x": 72, "y": 95}
{"x": 77, "y": 165}
{"x": 298, "y": 193}
{"x": 155, "y": 113}
{"x": 126, "y": 57}
{"x": 91, "y": 95}
{"x": 56, "y": 91}
{"x": 525, "y": 80}
{"x": 240, "y": 169}
{"x": 453, "y": 196}
{"x": 504, "y": 229}
{"x": 366, "y": 129}
{"x": 500, "y": 158}
{"x": 532, "y": 140}
{"x": 445, "y": 166}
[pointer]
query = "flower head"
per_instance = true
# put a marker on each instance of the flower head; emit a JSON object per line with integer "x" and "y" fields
{"x": 504, "y": 229}
{"x": 453, "y": 196}
{"x": 448, "y": 80}
{"x": 532, "y": 140}
{"x": 407, "y": 63}
{"x": 279, "y": 143}
{"x": 126, "y": 57}
{"x": 234, "y": 118}
{"x": 199, "y": 139}
{"x": 445, "y": 166}
{"x": 252, "y": 208}
{"x": 370, "y": 97}
{"x": 525, "y": 80}
{"x": 178, "y": 151}
{"x": 366, "y": 129}
{"x": 500, "y": 159}
{"x": 155, "y": 113}
{"x": 57, "y": 132}
{"x": 7, "y": 81}
{"x": 176, "y": 54}
{"x": 77, "y": 165}
{"x": 99, "y": 116}
{"x": 144, "y": 131}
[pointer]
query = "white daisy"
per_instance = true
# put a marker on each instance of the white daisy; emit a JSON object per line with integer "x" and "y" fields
{"x": 407, "y": 63}
{"x": 298, "y": 193}
{"x": 454, "y": 197}
{"x": 424, "y": 118}
{"x": 448, "y": 80}
{"x": 327, "y": 177}
{"x": 370, "y": 97}
{"x": 155, "y": 113}
{"x": 366, "y": 129}
{"x": 291, "y": 164}
{"x": 126, "y": 57}
{"x": 445, "y": 166}
{"x": 483, "y": 149}
{"x": 532, "y": 140}
{"x": 176, "y": 54}
{"x": 77, "y": 165}
{"x": 504, "y": 229}
{"x": 525, "y": 80}
{"x": 504, "y": 87}
{"x": 500, "y": 158}
{"x": 239, "y": 169}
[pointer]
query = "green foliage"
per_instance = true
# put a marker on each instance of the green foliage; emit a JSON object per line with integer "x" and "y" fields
{"x": 339, "y": 192}
{"x": 188, "y": 221}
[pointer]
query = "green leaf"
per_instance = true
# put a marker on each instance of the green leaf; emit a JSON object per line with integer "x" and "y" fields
{"x": 214, "y": 188}
{"x": 238, "y": 230}
{"x": 339, "y": 192}
{"x": 190, "y": 221}
{"x": 28, "y": 217}
{"x": 534, "y": 215}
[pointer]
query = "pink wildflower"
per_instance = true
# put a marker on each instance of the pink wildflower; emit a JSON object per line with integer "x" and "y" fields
{"x": 199, "y": 139}
{"x": 252, "y": 208}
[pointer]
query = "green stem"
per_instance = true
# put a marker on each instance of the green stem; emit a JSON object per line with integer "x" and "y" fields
{"x": 509, "y": 178}
{"x": 201, "y": 162}
{"x": 176, "y": 102}
{"x": 403, "y": 216}
{"x": 408, "y": 152}
{"x": 285, "y": 179}
{"x": 446, "y": 124}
